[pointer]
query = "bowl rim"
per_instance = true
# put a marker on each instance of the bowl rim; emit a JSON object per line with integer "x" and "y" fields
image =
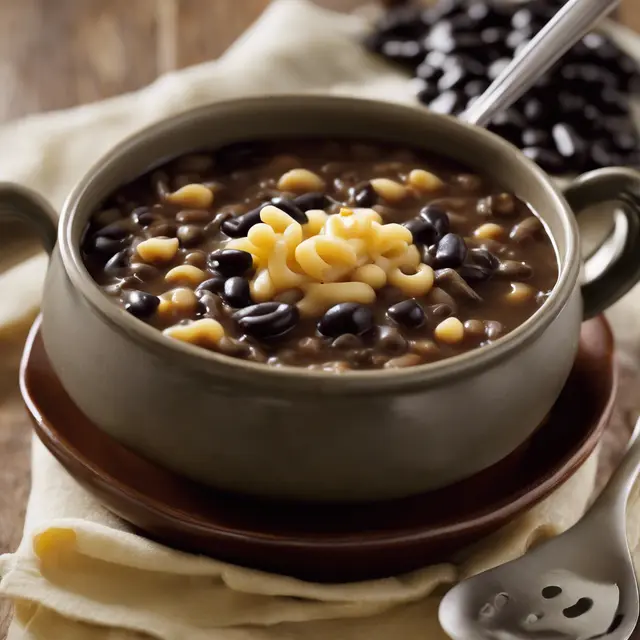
{"x": 200, "y": 360}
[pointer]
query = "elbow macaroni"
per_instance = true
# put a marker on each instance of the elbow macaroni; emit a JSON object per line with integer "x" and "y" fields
{"x": 336, "y": 258}
{"x": 416, "y": 284}
{"x": 320, "y": 297}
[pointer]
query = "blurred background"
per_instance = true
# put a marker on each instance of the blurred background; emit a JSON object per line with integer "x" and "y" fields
{"x": 58, "y": 53}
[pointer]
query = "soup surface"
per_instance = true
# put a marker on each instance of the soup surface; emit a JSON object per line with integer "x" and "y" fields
{"x": 330, "y": 255}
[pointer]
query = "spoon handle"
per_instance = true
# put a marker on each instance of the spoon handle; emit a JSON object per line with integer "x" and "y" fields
{"x": 571, "y": 23}
{"x": 615, "y": 495}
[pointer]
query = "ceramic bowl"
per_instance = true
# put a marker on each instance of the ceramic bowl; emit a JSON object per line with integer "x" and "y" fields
{"x": 288, "y": 433}
{"x": 318, "y": 542}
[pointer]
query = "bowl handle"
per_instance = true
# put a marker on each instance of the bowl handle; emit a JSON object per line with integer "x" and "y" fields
{"x": 21, "y": 205}
{"x": 620, "y": 253}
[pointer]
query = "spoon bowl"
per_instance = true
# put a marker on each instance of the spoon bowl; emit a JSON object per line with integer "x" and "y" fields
{"x": 581, "y": 585}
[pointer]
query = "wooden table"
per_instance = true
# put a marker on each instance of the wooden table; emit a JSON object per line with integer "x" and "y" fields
{"x": 58, "y": 53}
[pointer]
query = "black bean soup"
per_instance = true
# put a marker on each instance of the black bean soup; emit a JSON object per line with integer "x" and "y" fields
{"x": 328, "y": 255}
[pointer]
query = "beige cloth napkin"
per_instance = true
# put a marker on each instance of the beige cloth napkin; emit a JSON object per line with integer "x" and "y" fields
{"x": 79, "y": 573}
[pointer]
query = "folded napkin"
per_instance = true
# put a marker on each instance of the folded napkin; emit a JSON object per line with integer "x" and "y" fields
{"x": 79, "y": 572}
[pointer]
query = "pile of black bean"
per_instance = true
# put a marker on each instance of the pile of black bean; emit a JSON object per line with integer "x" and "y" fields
{"x": 578, "y": 117}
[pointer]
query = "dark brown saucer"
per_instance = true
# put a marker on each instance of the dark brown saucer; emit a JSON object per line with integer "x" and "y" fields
{"x": 326, "y": 543}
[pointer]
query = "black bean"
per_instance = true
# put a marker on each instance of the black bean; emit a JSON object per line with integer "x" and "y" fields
{"x": 529, "y": 228}
{"x": 451, "y": 251}
{"x": 440, "y": 37}
{"x": 515, "y": 270}
{"x": 408, "y": 313}
{"x": 346, "y": 317}
{"x": 215, "y": 284}
{"x": 200, "y": 310}
{"x": 453, "y": 78}
{"x": 190, "y": 235}
{"x": 436, "y": 59}
{"x": 160, "y": 184}
{"x": 472, "y": 66}
{"x": 426, "y": 349}
{"x": 474, "y": 328}
{"x": 501, "y": 205}
{"x": 312, "y": 200}
{"x": 144, "y": 217}
{"x": 474, "y": 273}
{"x": 475, "y": 87}
{"x": 230, "y": 262}
{"x": 213, "y": 307}
{"x": 448, "y": 103}
{"x": 436, "y": 313}
{"x": 456, "y": 285}
{"x": 193, "y": 216}
{"x": 484, "y": 258}
{"x": 569, "y": 144}
{"x": 390, "y": 340}
{"x": 523, "y": 18}
{"x": 516, "y": 39}
{"x": 113, "y": 231}
{"x": 422, "y": 231}
{"x": 536, "y": 111}
{"x": 144, "y": 272}
{"x": 427, "y": 92}
{"x": 267, "y": 320}
{"x": 105, "y": 247}
{"x": 438, "y": 217}
{"x": 405, "y": 52}
{"x": 117, "y": 264}
{"x": 440, "y": 296}
{"x": 236, "y": 292}
{"x": 213, "y": 227}
{"x": 365, "y": 195}
{"x": 497, "y": 67}
{"x": 428, "y": 72}
{"x": 140, "y": 303}
{"x": 291, "y": 208}
{"x": 166, "y": 229}
{"x": 240, "y": 225}
{"x": 426, "y": 256}
{"x": 197, "y": 258}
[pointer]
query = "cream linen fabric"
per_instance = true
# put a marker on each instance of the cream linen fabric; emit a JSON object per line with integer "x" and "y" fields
{"x": 79, "y": 574}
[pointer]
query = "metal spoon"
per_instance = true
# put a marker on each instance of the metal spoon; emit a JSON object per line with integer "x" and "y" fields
{"x": 578, "y": 586}
{"x": 565, "y": 29}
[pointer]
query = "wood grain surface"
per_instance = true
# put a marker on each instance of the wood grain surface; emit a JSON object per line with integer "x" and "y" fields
{"x": 57, "y": 54}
